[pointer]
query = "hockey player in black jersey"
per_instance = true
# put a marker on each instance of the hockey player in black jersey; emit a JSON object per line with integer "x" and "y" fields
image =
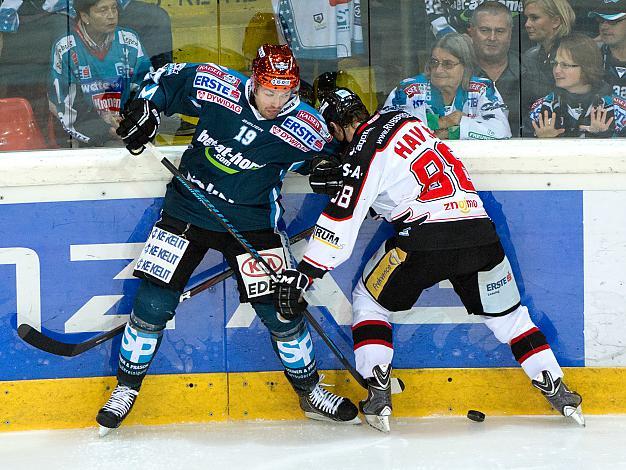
{"x": 396, "y": 167}
{"x": 250, "y": 132}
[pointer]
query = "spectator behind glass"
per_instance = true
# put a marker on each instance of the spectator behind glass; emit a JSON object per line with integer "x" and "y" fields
{"x": 581, "y": 104}
{"x": 612, "y": 19}
{"x": 151, "y": 22}
{"x": 546, "y": 22}
{"x": 454, "y": 103}
{"x": 447, "y": 16}
{"x": 95, "y": 69}
{"x": 490, "y": 30}
{"x": 25, "y": 55}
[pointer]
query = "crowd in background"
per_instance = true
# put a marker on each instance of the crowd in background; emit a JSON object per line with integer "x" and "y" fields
{"x": 488, "y": 70}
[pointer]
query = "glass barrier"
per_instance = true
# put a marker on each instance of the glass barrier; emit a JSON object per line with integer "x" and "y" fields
{"x": 472, "y": 70}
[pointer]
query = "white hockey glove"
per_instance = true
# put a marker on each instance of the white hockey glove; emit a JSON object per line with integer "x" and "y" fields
{"x": 326, "y": 175}
{"x": 288, "y": 292}
{"x": 139, "y": 125}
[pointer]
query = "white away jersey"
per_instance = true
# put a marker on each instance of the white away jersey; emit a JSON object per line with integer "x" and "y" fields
{"x": 401, "y": 170}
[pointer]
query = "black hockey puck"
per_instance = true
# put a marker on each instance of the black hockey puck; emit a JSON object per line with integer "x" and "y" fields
{"x": 477, "y": 416}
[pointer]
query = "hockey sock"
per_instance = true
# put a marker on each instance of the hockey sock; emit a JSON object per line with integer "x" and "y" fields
{"x": 295, "y": 351}
{"x": 373, "y": 344}
{"x": 139, "y": 345}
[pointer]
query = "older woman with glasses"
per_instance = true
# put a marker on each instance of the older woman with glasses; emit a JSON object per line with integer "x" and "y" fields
{"x": 454, "y": 103}
{"x": 582, "y": 104}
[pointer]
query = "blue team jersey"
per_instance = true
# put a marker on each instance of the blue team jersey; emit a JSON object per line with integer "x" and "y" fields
{"x": 87, "y": 89}
{"x": 238, "y": 157}
{"x": 485, "y": 113}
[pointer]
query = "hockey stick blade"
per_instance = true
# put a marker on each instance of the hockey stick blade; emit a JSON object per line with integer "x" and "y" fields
{"x": 39, "y": 340}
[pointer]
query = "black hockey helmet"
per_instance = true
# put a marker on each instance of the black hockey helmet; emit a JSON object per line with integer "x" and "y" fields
{"x": 340, "y": 106}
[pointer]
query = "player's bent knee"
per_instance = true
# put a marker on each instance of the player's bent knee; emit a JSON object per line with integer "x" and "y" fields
{"x": 272, "y": 321}
{"x": 154, "y": 305}
{"x": 511, "y": 325}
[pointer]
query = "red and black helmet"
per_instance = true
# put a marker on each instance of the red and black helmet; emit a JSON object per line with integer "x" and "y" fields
{"x": 275, "y": 67}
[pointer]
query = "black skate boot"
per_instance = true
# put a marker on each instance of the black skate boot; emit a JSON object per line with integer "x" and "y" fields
{"x": 322, "y": 405}
{"x": 562, "y": 399}
{"x": 116, "y": 408}
{"x": 377, "y": 406}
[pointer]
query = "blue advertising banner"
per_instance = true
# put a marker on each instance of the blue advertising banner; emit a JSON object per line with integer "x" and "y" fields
{"x": 67, "y": 266}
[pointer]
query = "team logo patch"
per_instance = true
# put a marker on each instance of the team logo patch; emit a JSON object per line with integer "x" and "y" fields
{"x": 298, "y": 353}
{"x": 109, "y": 102}
{"x": 215, "y": 85}
{"x": 303, "y": 131}
{"x": 84, "y": 71}
{"x": 138, "y": 346}
{"x": 228, "y": 78}
{"x": 327, "y": 237}
{"x": 287, "y": 137}
{"x": 476, "y": 87}
{"x": 255, "y": 279}
{"x": 417, "y": 89}
{"x": 161, "y": 254}
{"x": 206, "y": 96}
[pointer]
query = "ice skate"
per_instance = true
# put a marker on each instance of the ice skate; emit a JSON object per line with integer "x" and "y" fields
{"x": 562, "y": 399}
{"x": 116, "y": 409}
{"x": 322, "y": 405}
{"x": 377, "y": 407}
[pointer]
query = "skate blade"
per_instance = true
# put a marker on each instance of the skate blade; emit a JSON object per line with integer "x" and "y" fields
{"x": 317, "y": 417}
{"x": 397, "y": 386}
{"x": 103, "y": 431}
{"x": 575, "y": 413}
{"x": 380, "y": 423}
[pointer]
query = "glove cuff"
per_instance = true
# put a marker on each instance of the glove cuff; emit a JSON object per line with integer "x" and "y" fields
{"x": 310, "y": 271}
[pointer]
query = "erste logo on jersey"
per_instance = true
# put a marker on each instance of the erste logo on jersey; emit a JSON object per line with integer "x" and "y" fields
{"x": 476, "y": 87}
{"x": 209, "y": 81}
{"x": 418, "y": 89}
{"x": 303, "y": 131}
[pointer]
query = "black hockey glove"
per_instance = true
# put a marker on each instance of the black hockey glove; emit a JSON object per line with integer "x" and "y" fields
{"x": 288, "y": 292}
{"x": 326, "y": 175}
{"x": 139, "y": 125}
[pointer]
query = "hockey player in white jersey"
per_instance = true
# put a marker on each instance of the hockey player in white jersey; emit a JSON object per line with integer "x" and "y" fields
{"x": 397, "y": 168}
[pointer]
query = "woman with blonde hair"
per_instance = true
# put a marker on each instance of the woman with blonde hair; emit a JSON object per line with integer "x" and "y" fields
{"x": 582, "y": 104}
{"x": 547, "y": 21}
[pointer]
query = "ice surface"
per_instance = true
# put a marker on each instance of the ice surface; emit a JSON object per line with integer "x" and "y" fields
{"x": 520, "y": 442}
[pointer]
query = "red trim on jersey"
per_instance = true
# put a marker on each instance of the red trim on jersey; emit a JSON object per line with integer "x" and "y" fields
{"x": 372, "y": 322}
{"x": 523, "y": 335}
{"x": 373, "y": 341}
{"x": 317, "y": 265}
{"x": 533, "y": 352}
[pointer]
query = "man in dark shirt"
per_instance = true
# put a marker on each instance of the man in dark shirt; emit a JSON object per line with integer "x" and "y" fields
{"x": 490, "y": 29}
{"x": 612, "y": 19}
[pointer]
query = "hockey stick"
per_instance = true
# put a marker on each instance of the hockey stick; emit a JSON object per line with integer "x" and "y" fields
{"x": 230, "y": 228}
{"x": 39, "y": 340}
